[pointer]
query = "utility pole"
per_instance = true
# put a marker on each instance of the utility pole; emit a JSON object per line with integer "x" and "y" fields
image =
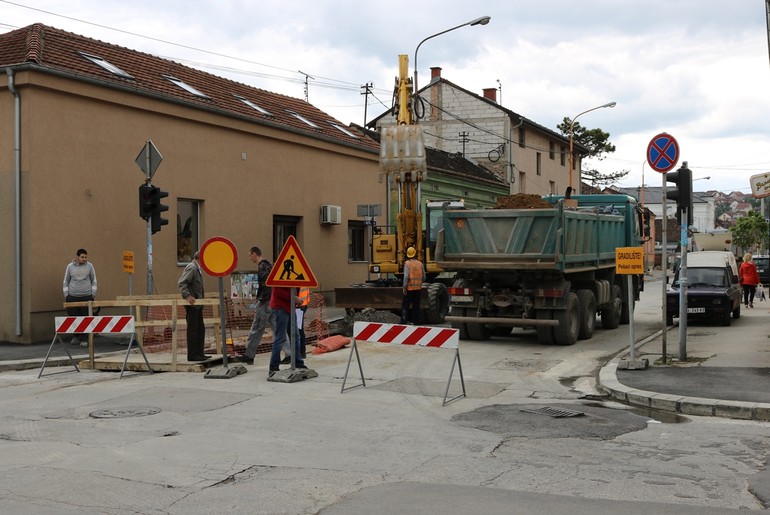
{"x": 367, "y": 89}
{"x": 463, "y": 139}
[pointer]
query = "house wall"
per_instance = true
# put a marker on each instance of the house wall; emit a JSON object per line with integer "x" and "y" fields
{"x": 79, "y": 189}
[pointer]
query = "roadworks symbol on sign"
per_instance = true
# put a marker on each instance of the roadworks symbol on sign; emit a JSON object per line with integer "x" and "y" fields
{"x": 291, "y": 269}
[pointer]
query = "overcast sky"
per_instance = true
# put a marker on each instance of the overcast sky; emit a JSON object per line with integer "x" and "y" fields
{"x": 696, "y": 69}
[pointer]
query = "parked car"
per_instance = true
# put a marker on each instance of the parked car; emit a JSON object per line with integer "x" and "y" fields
{"x": 763, "y": 268}
{"x": 713, "y": 292}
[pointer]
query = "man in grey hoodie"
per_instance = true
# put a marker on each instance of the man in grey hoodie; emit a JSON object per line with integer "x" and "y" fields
{"x": 79, "y": 286}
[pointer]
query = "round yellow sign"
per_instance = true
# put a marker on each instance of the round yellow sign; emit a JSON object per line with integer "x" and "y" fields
{"x": 218, "y": 256}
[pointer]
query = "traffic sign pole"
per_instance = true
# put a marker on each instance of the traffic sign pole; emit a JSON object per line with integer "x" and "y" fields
{"x": 662, "y": 156}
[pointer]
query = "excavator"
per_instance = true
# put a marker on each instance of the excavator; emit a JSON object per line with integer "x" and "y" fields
{"x": 402, "y": 161}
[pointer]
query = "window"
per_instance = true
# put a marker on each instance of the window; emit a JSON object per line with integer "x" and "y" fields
{"x": 356, "y": 240}
{"x": 300, "y": 117}
{"x": 522, "y": 137}
{"x": 283, "y": 227}
{"x": 551, "y": 150}
{"x": 561, "y": 154}
{"x": 253, "y": 105}
{"x": 187, "y": 223}
{"x": 343, "y": 130}
{"x": 551, "y": 188}
{"x": 182, "y": 84}
{"x": 522, "y": 176}
{"x": 106, "y": 65}
{"x": 539, "y": 158}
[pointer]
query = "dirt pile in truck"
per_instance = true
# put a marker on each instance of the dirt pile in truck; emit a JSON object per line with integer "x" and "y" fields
{"x": 522, "y": 201}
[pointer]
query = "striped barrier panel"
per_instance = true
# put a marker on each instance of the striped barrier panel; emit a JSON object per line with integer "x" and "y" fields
{"x": 421, "y": 336}
{"x": 413, "y": 335}
{"x": 105, "y": 324}
{"x": 94, "y": 324}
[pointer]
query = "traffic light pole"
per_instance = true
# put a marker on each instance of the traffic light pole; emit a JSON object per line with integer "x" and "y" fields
{"x": 683, "y": 290}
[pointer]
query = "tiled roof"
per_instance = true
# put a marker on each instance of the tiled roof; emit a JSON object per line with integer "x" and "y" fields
{"x": 49, "y": 49}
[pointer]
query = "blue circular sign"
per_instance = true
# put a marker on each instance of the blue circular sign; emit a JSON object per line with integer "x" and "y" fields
{"x": 663, "y": 152}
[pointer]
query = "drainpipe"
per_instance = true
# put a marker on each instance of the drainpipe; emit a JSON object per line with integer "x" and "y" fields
{"x": 17, "y": 192}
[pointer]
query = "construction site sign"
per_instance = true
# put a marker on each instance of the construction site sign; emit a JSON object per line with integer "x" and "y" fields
{"x": 629, "y": 260}
{"x": 291, "y": 269}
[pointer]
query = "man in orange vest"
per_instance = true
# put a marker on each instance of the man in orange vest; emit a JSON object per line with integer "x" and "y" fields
{"x": 414, "y": 275}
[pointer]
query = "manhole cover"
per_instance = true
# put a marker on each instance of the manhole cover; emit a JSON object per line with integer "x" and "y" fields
{"x": 554, "y": 412}
{"x": 123, "y": 412}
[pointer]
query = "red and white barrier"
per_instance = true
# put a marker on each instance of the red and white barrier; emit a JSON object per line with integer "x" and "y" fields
{"x": 440, "y": 337}
{"x": 94, "y": 324}
{"x": 119, "y": 324}
{"x": 415, "y": 335}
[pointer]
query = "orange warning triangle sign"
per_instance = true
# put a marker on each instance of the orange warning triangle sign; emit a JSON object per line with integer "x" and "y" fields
{"x": 291, "y": 269}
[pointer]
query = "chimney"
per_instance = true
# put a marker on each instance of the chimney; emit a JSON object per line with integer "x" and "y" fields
{"x": 435, "y": 73}
{"x": 490, "y": 94}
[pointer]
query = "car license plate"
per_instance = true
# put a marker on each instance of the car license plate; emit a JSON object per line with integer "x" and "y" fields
{"x": 462, "y": 298}
{"x": 696, "y": 310}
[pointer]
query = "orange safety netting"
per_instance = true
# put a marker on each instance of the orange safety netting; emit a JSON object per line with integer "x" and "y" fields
{"x": 239, "y": 315}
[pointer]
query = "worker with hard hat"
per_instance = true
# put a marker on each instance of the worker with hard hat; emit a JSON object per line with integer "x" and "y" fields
{"x": 414, "y": 275}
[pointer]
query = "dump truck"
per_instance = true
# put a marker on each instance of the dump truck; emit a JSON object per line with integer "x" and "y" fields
{"x": 403, "y": 163}
{"x": 549, "y": 268}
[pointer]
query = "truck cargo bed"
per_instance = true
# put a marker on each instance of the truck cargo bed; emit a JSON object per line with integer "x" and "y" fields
{"x": 565, "y": 240}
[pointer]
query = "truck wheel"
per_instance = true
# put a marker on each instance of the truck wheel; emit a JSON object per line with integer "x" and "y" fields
{"x": 461, "y": 326}
{"x": 737, "y": 312}
{"x": 727, "y": 318}
{"x": 544, "y": 332}
{"x": 669, "y": 319}
{"x": 587, "y": 304}
{"x": 611, "y": 310}
{"x": 566, "y": 333}
{"x": 438, "y": 303}
{"x": 479, "y": 332}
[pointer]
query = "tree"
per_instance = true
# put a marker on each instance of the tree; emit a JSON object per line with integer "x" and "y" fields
{"x": 751, "y": 231}
{"x": 598, "y": 144}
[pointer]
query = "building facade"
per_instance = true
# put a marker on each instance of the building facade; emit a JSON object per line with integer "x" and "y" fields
{"x": 529, "y": 157}
{"x": 238, "y": 162}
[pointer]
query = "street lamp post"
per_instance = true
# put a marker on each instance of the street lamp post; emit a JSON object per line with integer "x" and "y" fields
{"x": 478, "y": 21}
{"x": 571, "y": 128}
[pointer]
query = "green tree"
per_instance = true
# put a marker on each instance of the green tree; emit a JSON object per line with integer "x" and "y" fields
{"x": 598, "y": 144}
{"x": 751, "y": 231}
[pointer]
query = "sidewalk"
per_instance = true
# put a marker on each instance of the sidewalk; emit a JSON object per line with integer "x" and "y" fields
{"x": 726, "y": 373}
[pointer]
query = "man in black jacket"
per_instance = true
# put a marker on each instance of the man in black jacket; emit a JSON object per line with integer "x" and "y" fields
{"x": 263, "y": 315}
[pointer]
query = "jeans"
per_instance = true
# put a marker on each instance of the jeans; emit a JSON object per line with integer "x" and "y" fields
{"x": 282, "y": 320}
{"x": 263, "y": 315}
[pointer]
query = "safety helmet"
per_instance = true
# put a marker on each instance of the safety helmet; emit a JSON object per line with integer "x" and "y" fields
{"x": 410, "y": 252}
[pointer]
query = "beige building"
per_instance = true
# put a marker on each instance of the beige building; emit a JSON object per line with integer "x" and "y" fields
{"x": 529, "y": 157}
{"x": 238, "y": 162}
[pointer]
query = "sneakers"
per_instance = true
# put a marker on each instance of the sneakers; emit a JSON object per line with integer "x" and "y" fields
{"x": 302, "y": 366}
{"x": 271, "y": 373}
{"x": 244, "y": 359}
{"x": 286, "y": 360}
{"x": 75, "y": 341}
{"x": 84, "y": 343}
{"x": 751, "y": 304}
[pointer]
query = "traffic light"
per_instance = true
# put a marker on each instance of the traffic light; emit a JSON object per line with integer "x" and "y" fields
{"x": 145, "y": 202}
{"x": 683, "y": 194}
{"x": 156, "y": 222}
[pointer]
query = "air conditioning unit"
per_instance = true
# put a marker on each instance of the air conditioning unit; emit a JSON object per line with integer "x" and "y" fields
{"x": 331, "y": 215}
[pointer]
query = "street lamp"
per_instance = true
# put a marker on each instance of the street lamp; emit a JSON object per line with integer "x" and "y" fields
{"x": 571, "y": 127}
{"x": 478, "y": 21}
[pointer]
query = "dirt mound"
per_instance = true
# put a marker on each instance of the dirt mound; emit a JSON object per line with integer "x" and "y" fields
{"x": 522, "y": 201}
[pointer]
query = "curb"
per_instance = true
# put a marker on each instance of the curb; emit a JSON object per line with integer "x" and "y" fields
{"x": 608, "y": 381}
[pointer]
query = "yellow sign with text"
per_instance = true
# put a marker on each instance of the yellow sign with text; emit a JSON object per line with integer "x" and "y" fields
{"x": 128, "y": 261}
{"x": 629, "y": 260}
